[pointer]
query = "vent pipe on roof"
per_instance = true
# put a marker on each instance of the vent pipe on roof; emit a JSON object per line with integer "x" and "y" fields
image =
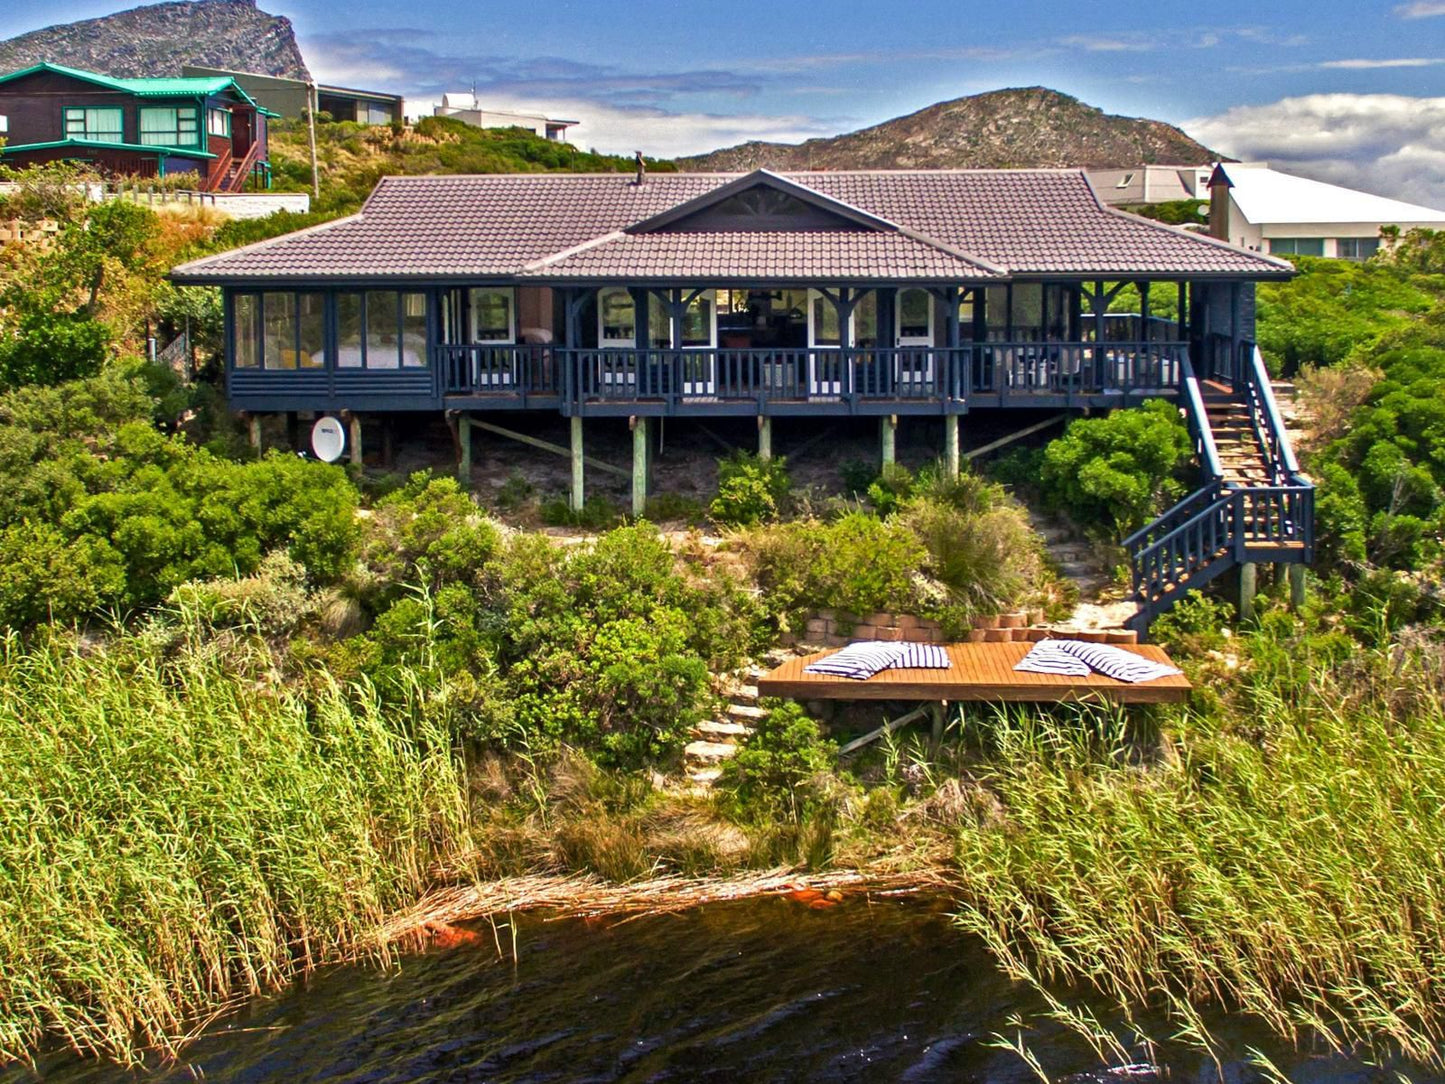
{"x": 641, "y": 168}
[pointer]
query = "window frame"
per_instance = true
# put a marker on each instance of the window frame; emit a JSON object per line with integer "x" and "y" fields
{"x": 182, "y": 138}
{"x": 255, "y": 300}
{"x": 1354, "y": 243}
{"x": 86, "y": 136}
{"x": 212, "y": 112}
{"x": 1294, "y": 243}
{"x": 397, "y": 304}
{"x": 510, "y": 292}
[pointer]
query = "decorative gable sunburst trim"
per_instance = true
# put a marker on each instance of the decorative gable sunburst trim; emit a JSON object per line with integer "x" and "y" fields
{"x": 762, "y": 178}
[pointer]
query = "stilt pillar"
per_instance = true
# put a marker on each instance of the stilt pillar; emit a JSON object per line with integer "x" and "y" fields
{"x": 950, "y": 444}
{"x": 1297, "y": 587}
{"x": 293, "y": 431}
{"x": 765, "y": 437}
{"x": 353, "y": 436}
{"x": 388, "y": 441}
{"x": 253, "y": 431}
{"x": 464, "y": 449}
{"x": 888, "y": 439}
{"x": 577, "y": 495}
{"x": 1248, "y": 575}
{"x": 639, "y": 465}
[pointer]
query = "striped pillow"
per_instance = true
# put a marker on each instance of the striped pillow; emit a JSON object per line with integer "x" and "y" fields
{"x": 859, "y": 661}
{"x": 1047, "y": 657}
{"x": 1117, "y": 663}
{"x": 923, "y": 657}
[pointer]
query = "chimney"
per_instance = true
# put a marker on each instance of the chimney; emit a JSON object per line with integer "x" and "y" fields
{"x": 641, "y": 169}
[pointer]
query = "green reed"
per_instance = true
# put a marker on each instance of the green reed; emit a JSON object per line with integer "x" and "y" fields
{"x": 178, "y": 830}
{"x": 1284, "y": 857}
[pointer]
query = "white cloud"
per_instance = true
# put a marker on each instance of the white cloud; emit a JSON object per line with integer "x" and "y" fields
{"x": 1389, "y": 144}
{"x": 1420, "y": 9}
{"x": 1366, "y": 63}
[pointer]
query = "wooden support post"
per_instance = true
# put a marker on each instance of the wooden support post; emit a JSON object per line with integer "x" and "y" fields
{"x": 1248, "y": 575}
{"x": 388, "y": 441}
{"x": 950, "y": 444}
{"x": 765, "y": 437}
{"x": 577, "y": 463}
{"x": 353, "y": 436}
{"x": 464, "y": 449}
{"x": 938, "y": 711}
{"x": 1296, "y": 587}
{"x": 888, "y": 425}
{"x": 293, "y": 431}
{"x": 639, "y": 464}
{"x": 253, "y": 431}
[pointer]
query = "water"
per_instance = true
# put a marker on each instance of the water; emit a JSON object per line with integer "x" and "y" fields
{"x": 765, "y": 990}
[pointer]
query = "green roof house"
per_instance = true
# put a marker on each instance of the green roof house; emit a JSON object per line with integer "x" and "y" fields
{"x": 136, "y": 127}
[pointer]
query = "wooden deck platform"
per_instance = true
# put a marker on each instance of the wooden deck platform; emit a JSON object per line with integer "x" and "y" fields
{"x": 980, "y": 672}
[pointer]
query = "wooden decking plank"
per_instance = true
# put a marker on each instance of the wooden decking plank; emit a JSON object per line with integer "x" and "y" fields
{"x": 976, "y": 672}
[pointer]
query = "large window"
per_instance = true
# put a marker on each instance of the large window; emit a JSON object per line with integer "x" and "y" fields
{"x": 95, "y": 124}
{"x": 699, "y": 321}
{"x": 616, "y": 318}
{"x": 1297, "y": 246}
{"x": 381, "y": 329}
{"x": 280, "y": 330}
{"x": 218, "y": 122}
{"x": 493, "y": 314}
{"x": 163, "y": 126}
{"x": 1357, "y": 248}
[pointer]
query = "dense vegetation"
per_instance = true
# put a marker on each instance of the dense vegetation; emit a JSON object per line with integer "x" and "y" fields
{"x": 353, "y": 157}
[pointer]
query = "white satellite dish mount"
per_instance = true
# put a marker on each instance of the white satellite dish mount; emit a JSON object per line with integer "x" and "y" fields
{"x": 328, "y": 439}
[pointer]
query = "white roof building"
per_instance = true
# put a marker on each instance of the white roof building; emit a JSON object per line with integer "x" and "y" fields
{"x": 465, "y": 107}
{"x": 1268, "y": 211}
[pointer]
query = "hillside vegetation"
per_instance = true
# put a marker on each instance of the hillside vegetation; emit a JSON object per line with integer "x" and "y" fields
{"x": 353, "y": 157}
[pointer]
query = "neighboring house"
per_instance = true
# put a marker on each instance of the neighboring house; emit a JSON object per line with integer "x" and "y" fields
{"x": 465, "y": 108}
{"x": 137, "y": 127}
{"x": 1265, "y": 210}
{"x": 1151, "y": 184}
{"x": 288, "y": 97}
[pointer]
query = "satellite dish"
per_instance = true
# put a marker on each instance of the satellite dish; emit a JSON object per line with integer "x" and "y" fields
{"x": 328, "y": 439}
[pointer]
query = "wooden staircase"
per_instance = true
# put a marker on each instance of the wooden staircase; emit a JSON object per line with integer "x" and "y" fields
{"x": 1254, "y": 504}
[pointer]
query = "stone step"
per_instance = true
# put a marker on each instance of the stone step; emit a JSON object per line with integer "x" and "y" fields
{"x": 746, "y": 711}
{"x": 744, "y": 694}
{"x": 710, "y": 752}
{"x": 718, "y": 728}
{"x": 705, "y": 777}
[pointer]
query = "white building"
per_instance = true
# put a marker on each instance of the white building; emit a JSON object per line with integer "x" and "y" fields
{"x": 465, "y": 107}
{"x": 1262, "y": 209}
{"x": 1151, "y": 184}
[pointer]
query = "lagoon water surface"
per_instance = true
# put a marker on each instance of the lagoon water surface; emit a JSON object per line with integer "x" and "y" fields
{"x": 765, "y": 990}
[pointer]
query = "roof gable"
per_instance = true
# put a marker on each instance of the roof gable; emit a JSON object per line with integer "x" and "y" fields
{"x": 762, "y": 201}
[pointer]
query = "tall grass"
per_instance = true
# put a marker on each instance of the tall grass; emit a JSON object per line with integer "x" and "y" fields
{"x": 1289, "y": 861}
{"x": 178, "y": 831}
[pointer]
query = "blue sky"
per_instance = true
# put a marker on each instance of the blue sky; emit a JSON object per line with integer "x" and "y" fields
{"x": 1347, "y": 91}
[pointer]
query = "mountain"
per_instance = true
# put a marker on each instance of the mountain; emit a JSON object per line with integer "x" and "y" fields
{"x": 157, "y": 39}
{"x": 1002, "y": 129}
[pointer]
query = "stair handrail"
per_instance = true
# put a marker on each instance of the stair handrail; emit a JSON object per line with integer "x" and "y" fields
{"x": 1226, "y": 500}
{"x": 1168, "y": 522}
{"x": 217, "y": 177}
{"x": 1198, "y": 419}
{"x": 1261, "y": 393}
{"x": 247, "y": 163}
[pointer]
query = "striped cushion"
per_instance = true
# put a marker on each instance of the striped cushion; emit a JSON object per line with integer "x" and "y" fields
{"x": 1045, "y": 657}
{"x": 860, "y": 661}
{"x": 1057, "y": 656}
{"x": 923, "y": 657}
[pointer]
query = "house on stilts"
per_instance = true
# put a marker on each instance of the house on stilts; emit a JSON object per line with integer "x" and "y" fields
{"x": 894, "y": 294}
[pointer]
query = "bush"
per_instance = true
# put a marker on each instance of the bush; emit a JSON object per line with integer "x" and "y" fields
{"x": 749, "y": 490}
{"x": 1113, "y": 474}
{"x": 776, "y": 772}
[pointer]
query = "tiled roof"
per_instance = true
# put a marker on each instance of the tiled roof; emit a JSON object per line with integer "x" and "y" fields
{"x": 940, "y": 225}
{"x": 812, "y": 255}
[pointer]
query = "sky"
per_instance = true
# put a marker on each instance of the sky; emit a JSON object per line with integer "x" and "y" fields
{"x": 1348, "y": 91}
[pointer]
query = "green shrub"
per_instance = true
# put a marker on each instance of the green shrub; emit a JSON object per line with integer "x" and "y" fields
{"x": 776, "y": 772}
{"x": 598, "y": 513}
{"x": 864, "y": 564}
{"x": 749, "y": 490}
{"x": 1113, "y": 474}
